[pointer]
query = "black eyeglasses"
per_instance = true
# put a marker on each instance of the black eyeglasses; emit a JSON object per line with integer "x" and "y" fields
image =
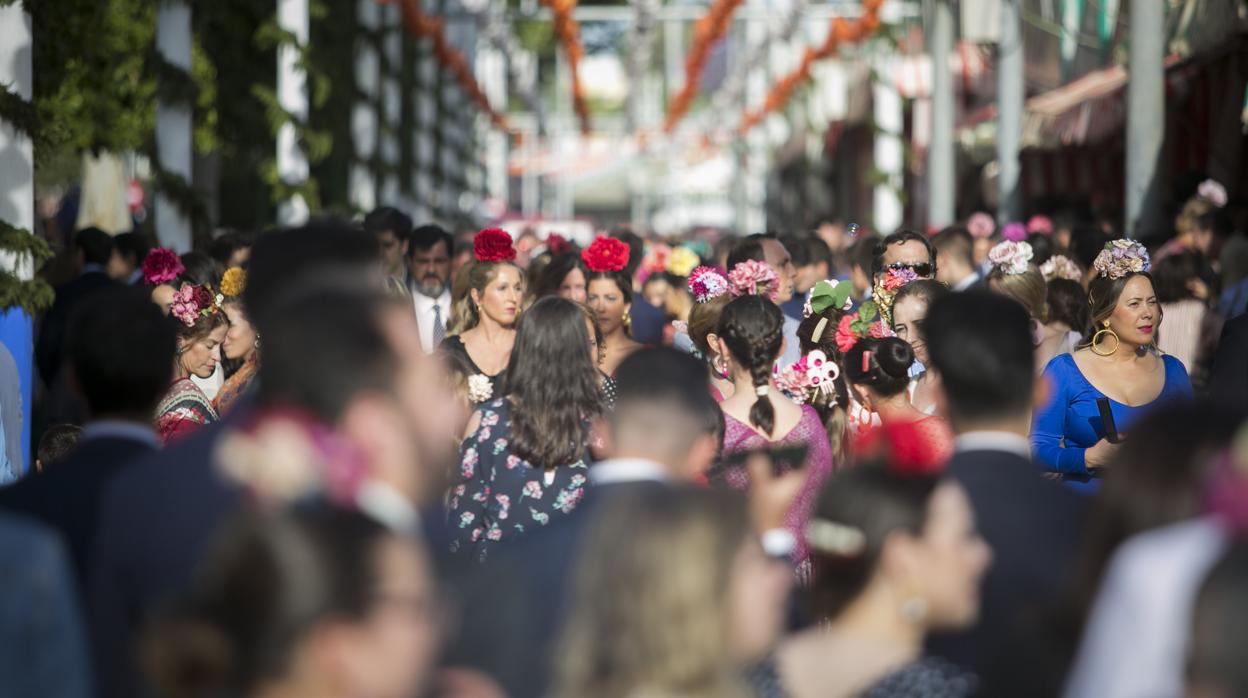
{"x": 920, "y": 268}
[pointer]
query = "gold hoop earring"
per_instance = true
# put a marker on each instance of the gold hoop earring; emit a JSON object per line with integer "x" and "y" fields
{"x": 1096, "y": 338}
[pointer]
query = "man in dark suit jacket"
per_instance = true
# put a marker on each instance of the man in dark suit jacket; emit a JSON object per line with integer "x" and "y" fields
{"x": 981, "y": 345}
{"x": 1228, "y": 379}
{"x": 120, "y": 351}
{"x": 664, "y": 431}
{"x": 94, "y": 249}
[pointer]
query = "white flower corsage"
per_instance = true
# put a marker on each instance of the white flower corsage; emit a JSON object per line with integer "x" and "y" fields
{"x": 480, "y": 388}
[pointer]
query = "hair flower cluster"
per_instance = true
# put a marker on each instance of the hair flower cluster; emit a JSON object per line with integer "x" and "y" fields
{"x": 1212, "y": 191}
{"x": 706, "y": 284}
{"x": 886, "y": 288}
{"x": 867, "y": 322}
{"x": 161, "y": 266}
{"x": 557, "y": 244}
{"x": 753, "y": 278}
{"x": 606, "y": 255}
{"x": 682, "y": 261}
{"x": 981, "y": 225}
{"x": 1040, "y": 224}
{"x": 1122, "y": 257}
{"x": 813, "y": 373}
{"x": 190, "y": 303}
{"x": 1060, "y": 267}
{"x": 493, "y": 245}
{"x": 1014, "y": 232}
{"x": 1011, "y": 257}
{"x": 233, "y": 282}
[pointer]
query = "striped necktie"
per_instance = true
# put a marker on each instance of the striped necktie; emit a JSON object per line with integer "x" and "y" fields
{"x": 439, "y": 327}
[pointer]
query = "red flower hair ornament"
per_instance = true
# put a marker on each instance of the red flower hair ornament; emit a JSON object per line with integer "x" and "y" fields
{"x": 903, "y": 448}
{"x": 493, "y": 245}
{"x": 606, "y": 255}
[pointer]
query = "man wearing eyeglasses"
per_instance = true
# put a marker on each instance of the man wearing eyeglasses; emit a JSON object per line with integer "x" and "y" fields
{"x": 905, "y": 249}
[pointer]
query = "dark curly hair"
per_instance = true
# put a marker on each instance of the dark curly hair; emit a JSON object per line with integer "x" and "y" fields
{"x": 552, "y": 383}
{"x": 753, "y": 329}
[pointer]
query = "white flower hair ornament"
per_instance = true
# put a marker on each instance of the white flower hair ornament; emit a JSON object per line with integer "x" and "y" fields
{"x": 1011, "y": 257}
{"x": 1212, "y": 191}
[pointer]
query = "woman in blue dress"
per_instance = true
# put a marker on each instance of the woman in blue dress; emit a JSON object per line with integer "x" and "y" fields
{"x": 1120, "y": 362}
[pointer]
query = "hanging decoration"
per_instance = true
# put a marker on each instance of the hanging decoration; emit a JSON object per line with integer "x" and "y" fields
{"x": 841, "y": 31}
{"x": 708, "y": 30}
{"x": 732, "y": 91}
{"x": 569, "y": 34}
{"x": 640, "y": 52}
{"x": 423, "y": 26}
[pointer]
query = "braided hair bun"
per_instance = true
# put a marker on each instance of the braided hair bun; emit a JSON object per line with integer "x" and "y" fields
{"x": 753, "y": 329}
{"x": 881, "y": 364}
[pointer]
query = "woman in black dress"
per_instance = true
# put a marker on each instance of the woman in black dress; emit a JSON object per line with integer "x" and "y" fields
{"x": 526, "y": 456}
{"x": 485, "y": 316}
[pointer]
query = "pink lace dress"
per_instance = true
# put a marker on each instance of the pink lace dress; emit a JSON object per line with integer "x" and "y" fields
{"x": 809, "y": 432}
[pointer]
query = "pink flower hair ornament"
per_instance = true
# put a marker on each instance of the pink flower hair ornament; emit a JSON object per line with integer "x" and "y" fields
{"x": 707, "y": 284}
{"x": 753, "y": 278}
{"x": 1011, "y": 257}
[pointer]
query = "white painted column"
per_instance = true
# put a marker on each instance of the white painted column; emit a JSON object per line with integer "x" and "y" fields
{"x": 363, "y": 187}
{"x": 1010, "y": 103}
{"x": 1146, "y": 112}
{"x": 889, "y": 115}
{"x": 292, "y": 94}
{"x": 392, "y": 108}
{"x": 173, "y": 124}
{"x": 942, "y": 171}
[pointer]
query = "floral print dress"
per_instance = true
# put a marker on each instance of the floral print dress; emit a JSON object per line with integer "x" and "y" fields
{"x": 498, "y": 496}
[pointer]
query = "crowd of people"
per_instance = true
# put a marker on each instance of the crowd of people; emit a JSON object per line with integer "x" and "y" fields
{"x": 378, "y": 459}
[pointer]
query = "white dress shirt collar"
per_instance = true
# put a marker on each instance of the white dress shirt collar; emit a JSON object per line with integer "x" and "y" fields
{"x": 424, "y": 315}
{"x": 622, "y": 470}
{"x": 967, "y": 282}
{"x": 993, "y": 441}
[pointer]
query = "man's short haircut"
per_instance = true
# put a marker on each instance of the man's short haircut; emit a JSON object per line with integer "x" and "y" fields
{"x": 120, "y": 348}
{"x": 957, "y": 242}
{"x": 981, "y": 344}
{"x": 750, "y": 248}
{"x": 133, "y": 245}
{"x": 56, "y": 443}
{"x": 658, "y": 381}
{"x": 229, "y": 242}
{"x": 862, "y": 254}
{"x": 897, "y": 238}
{"x": 384, "y": 218}
{"x": 95, "y": 245}
{"x": 424, "y": 237}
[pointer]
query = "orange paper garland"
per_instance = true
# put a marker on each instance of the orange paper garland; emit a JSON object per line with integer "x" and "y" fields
{"x": 708, "y": 30}
{"x": 842, "y": 31}
{"x": 424, "y": 26}
{"x": 568, "y": 32}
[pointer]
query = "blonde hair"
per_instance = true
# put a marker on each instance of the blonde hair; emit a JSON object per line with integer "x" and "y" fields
{"x": 1028, "y": 288}
{"x": 1188, "y": 218}
{"x": 650, "y": 613}
{"x": 473, "y": 276}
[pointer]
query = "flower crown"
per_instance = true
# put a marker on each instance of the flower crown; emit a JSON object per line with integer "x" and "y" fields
{"x": 190, "y": 303}
{"x": 1122, "y": 257}
{"x": 864, "y": 323}
{"x": 1011, "y": 257}
{"x": 753, "y": 278}
{"x": 493, "y": 245}
{"x": 233, "y": 282}
{"x": 1060, "y": 267}
{"x": 161, "y": 266}
{"x": 707, "y": 284}
{"x": 606, "y": 255}
{"x": 811, "y": 374}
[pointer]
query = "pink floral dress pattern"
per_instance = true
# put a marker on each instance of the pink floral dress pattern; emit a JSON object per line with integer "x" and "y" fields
{"x": 497, "y": 496}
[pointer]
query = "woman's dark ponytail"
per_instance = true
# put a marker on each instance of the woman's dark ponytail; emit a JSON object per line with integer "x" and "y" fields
{"x": 753, "y": 329}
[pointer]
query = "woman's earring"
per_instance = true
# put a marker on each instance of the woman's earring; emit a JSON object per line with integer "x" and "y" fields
{"x": 1096, "y": 339}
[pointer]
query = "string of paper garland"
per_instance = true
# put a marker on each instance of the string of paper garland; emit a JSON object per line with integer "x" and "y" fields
{"x": 568, "y": 32}
{"x": 732, "y": 91}
{"x": 706, "y": 32}
{"x": 841, "y": 31}
{"x": 424, "y": 26}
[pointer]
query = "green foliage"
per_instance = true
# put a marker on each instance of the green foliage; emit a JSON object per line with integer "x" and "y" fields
{"x": 33, "y": 296}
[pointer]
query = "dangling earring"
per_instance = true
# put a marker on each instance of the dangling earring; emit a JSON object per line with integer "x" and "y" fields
{"x": 628, "y": 321}
{"x": 1096, "y": 338}
{"x": 721, "y": 367}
